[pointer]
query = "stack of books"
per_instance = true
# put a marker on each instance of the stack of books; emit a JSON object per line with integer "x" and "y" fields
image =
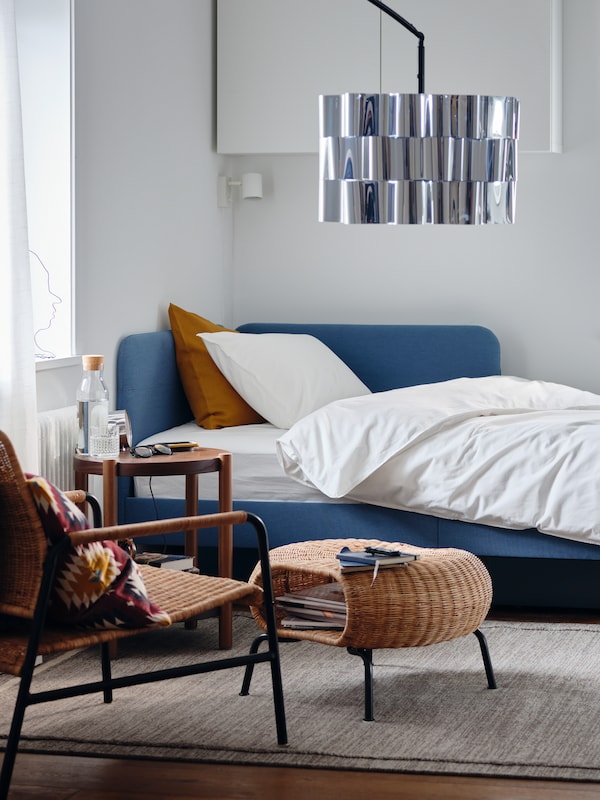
{"x": 372, "y": 558}
{"x": 320, "y": 606}
{"x": 165, "y": 560}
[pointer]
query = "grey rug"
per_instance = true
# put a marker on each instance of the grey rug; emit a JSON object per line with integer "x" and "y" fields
{"x": 434, "y": 712}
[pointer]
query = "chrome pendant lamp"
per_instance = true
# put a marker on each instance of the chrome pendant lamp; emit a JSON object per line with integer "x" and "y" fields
{"x": 417, "y": 159}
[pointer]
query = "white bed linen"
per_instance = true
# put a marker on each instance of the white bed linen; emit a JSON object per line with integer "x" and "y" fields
{"x": 257, "y": 473}
{"x": 500, "y": 451}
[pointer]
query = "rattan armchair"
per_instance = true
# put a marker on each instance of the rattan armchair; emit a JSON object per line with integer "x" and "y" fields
{"x": 27, "y": 567}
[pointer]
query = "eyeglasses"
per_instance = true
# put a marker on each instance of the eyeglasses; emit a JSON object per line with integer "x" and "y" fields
{"x": 145, "y": 451}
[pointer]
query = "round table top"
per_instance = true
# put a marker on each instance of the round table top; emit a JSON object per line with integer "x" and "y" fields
{"x": 189, "y": 462}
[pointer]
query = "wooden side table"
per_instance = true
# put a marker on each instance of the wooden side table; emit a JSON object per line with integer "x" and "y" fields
{"x": 190, "y": 464}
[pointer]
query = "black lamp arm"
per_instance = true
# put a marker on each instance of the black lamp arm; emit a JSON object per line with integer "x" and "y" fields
{"x": 420, "y": 36}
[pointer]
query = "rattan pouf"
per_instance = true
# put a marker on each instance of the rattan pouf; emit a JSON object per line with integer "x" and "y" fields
{"x": 444, "y": 595}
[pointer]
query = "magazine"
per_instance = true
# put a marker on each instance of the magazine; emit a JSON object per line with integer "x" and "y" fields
{"x": 298, "y": 623}
{"x": 319, "y": 606}
{"x": 165, "y": 560}
{"x": 374, "y": 558}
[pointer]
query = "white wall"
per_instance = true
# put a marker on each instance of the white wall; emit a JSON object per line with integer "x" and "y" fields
{"x": 147, "y": 227}
{"x": 536, "y": 284}
{"x": 148, "y": 230}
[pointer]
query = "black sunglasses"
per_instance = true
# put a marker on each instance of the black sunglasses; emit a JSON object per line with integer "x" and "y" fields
{"x": 145, "y": 451}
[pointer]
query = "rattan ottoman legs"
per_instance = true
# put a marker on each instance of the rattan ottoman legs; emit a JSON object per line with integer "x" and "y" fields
{"x": 444, "y": 595}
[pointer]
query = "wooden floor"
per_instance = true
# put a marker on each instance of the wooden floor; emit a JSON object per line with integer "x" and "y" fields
{"x": 82, "y": 778}
{"x": 62, "y": 778}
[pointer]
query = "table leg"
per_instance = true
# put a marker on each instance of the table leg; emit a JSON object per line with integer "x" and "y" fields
{"x": 109, "y": 492}
{"x": 109, "y": 512}
{"x": 225, "y": 550}
{"x": 81, "y": 481}
{"x": 82, "y": 484}
{"x": 191, "y": 509}
{"x": 191, "y": 537}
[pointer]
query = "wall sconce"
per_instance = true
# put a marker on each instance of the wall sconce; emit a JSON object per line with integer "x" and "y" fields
{"x": 250, "y": 186}
{"x": 417, "y": 158}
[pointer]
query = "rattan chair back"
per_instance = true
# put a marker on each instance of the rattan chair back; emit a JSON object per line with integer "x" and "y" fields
{"x": 23, "y": 544}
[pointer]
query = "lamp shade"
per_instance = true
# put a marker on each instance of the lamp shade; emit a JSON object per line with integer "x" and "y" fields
{"x": 252, "y": 186}
{"x": 417, "y": 158}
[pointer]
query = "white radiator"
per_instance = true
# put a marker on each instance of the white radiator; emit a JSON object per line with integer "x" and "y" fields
{"x": 57, "y": 440}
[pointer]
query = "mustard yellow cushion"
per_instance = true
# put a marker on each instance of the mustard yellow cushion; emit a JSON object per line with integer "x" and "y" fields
{"x": 213, "y": 400}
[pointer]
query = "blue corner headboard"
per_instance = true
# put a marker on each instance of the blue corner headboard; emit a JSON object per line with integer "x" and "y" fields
{"x": 383, "y": 356}
{"x": 391, "y": 356}
{"x": 148, "y": 384}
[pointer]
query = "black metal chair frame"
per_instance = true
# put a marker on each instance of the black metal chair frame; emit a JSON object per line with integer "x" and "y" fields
{"x": 108, "y": 683}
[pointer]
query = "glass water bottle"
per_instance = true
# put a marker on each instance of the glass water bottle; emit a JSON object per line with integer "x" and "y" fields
{"x": 92, "y": 401}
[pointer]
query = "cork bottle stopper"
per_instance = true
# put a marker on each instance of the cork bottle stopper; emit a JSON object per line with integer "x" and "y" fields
{"x": 92, "y": 362}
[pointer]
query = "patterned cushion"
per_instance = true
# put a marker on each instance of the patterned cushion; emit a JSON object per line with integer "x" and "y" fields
{"x": 97, "y": 585}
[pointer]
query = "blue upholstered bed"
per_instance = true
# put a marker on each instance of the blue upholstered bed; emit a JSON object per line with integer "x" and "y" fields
{"x": 528, "y": 568}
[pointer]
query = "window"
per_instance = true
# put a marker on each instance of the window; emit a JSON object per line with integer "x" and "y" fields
{"x": 44, "y": 48}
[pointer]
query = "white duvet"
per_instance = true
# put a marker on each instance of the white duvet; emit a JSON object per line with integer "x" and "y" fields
{"x": 500, "y": 451}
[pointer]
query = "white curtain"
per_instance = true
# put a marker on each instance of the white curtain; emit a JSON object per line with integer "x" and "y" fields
{"x": 18, "y": 405}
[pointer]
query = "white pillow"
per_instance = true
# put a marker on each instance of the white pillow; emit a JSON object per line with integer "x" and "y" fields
{"x": 283, "y": 376}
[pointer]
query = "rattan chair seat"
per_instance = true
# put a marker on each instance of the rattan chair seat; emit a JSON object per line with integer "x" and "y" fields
{"x": 182, "y": 595}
